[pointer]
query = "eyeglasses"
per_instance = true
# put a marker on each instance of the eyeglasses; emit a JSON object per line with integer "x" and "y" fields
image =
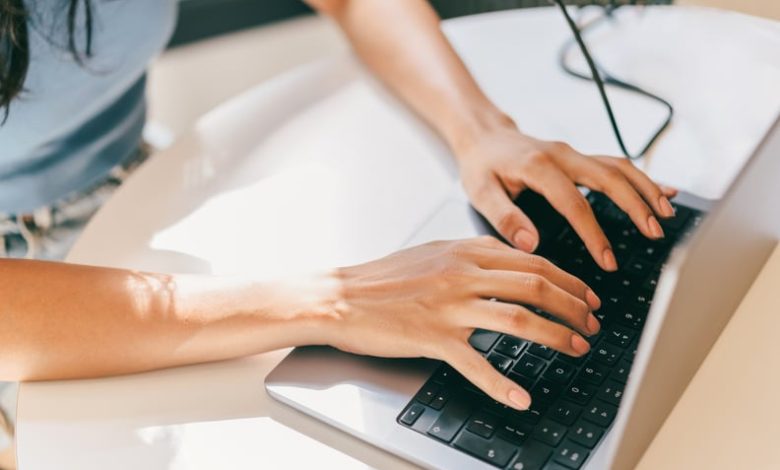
{"x": 602, "y": 78}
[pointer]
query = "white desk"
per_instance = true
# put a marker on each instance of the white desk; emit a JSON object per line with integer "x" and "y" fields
{"x": 321, "y": 167}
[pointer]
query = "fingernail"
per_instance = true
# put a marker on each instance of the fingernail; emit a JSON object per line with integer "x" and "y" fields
{"x": 655, "y": 228}
{"x": 579, "y": 344}
{"x": 609, "y": 260}
{"x": 667, "y": 210}
{"x": 525, "y": 240}
{"x": 593, "y": 324}
{"x": 520, "y": 399}
{"x": 593, "y": 300}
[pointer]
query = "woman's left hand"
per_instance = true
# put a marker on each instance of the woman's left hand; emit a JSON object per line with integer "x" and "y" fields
{"x": 503, "y": 162}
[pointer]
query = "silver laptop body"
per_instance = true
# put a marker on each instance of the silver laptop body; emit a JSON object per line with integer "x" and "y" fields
{"x": 700, "y": 288}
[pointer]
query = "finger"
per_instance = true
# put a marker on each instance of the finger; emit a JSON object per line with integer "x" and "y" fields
{"x": 533, "y": 289}
{"x": 478, "y": 371}
{"x": 493, "y": 202}
{"x": 613, "y": 182}
{"x": 505, "y": 259}
{"x": 669, "y": 192}
{"x": 650, "y": 191}
{"x": 517, "y": 320}
{"x": 560, "y": 191}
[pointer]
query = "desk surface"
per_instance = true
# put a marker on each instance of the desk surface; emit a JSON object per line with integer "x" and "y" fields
{"x": 321, "y": 167}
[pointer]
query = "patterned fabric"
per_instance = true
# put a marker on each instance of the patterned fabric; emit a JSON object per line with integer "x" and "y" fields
{"x": 49, "y": 232}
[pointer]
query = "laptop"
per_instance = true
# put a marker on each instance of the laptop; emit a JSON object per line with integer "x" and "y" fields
{"x": 662, "y": 311}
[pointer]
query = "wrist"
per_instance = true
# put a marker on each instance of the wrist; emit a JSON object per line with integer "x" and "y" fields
{"x": 315, "y": 308}
{"x": 474, "y": 126}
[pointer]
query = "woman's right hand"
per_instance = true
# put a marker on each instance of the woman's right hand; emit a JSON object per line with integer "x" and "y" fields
{"x": 426, "y": 301}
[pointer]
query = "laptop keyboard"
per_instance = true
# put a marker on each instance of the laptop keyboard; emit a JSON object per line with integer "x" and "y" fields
{"x": 574, "y": 400}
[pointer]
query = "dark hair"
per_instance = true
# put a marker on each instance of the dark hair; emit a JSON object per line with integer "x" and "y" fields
{"x": 15, "y": 45}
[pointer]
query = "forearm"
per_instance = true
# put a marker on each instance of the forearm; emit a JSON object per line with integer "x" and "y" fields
{"x": 62, "y": 321}
{"x": 401, "y": 42}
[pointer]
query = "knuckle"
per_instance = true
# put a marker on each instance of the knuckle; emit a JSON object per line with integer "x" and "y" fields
{"x": 457, "y": 250}
{"x": 535, "y": 284}
{"x": 612, "y": 174}
{"x": 488, "y": 240}
{"x": 517, "y": 320}
{"x": 451, "y": 273}
{"x": 538, "y": 265}
{"x": 560, "y": 147}
{"x": 538, "y": 158}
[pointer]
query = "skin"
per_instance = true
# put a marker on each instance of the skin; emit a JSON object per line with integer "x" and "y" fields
{"x": 62, "y": 321}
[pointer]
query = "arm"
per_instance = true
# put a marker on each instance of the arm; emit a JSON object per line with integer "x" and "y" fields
{"x": 61, "y": 321}
{"x": 401, "y": 42}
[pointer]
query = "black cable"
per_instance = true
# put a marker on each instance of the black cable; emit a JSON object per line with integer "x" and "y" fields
{"x": 600, "y": 77}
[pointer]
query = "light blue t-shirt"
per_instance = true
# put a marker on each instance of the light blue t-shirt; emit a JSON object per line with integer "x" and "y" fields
{"x": 73, "y": 123}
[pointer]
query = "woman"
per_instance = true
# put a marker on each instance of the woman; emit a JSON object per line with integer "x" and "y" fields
{"x": 71, "y": 85}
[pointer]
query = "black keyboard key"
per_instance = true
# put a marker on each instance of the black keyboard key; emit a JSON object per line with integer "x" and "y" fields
{"x": 510, "y": 346}
{"x": 600, "y": 413}
{"x": 427, "y": 393}
{"x": 593, "y": 339}
{"x": 483, "y": 424}
{"x": 533, "y": 414}
{"x": 580, "y": 392}
{"x": 560, "y": 372}
{"x": 632, "y": 316}
{"x": 564, "y": 412}
{"x": 441, "y": 399}
{"x": 606, "y": 353}
{"x": 611, "y": 392}
{"x": 495, "y": 451}
{"x": 644, "y": 300}
{"x": 447, "y": 375}
{"x": 547, "y": 220}
{"x": 541, "y": 350}
{"x": 412, "y": 413}
{"x": 619, "y": 283}
{"x": 521, "y": 380}
{"x": 555, "y": 466}
{"x": 549, "y": 432}
{"x": 623, "y": 251}
{"x": 574, "y": 360}
{"x": 620, "y": 335}
{"x": 515, "y": 431}
{"x": 621, "y": 371}
{"x": 483, "y": 340}
{"x": 570, "y": 455}
{"x": 651, "y": 282}
{"x": 499, "y": 361}
{"x": 639, "y": 267}
{"x": 529, "y": 365}
{"x": 674, "y": 224}
{"x": 612, "y": 302}
{"x": 531, "y": 456}
{"x": 450, "y": 420}
{"x": 604, "y": 317}
{"x": 593, "y": 372}
{"x": 585, "y": 434}
{"x": 546, "y": 391}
